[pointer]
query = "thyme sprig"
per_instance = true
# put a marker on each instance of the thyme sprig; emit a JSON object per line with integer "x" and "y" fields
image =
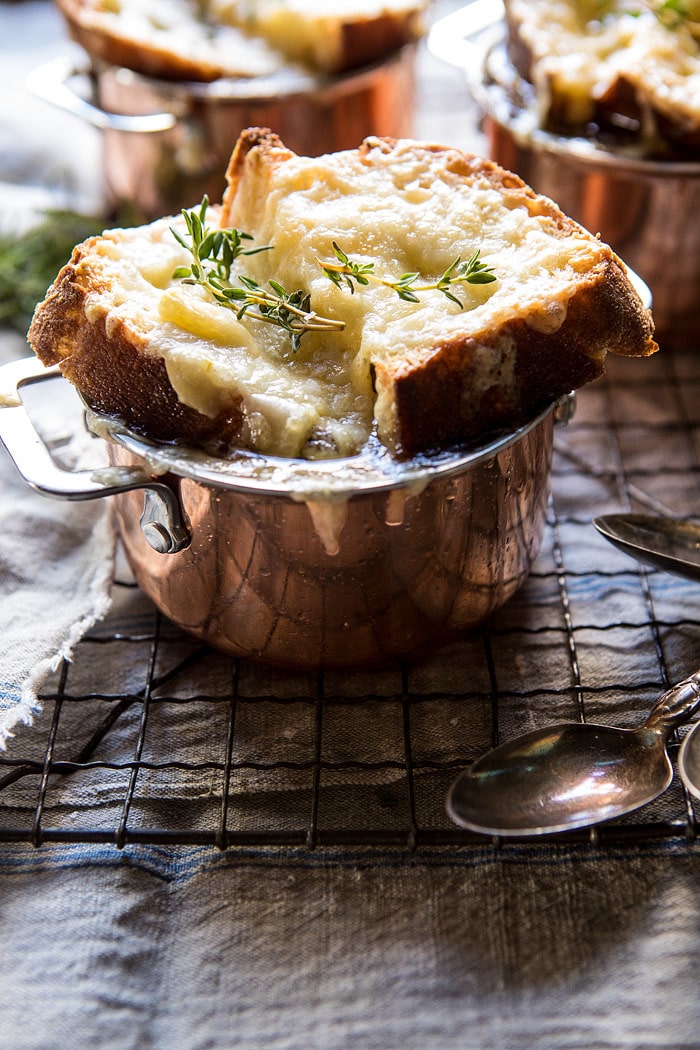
{"x": 290, "y": 311}
{"x": 670, "y": 13}
{"x": 351, "y": 273}
{"x": 214, "y": 252}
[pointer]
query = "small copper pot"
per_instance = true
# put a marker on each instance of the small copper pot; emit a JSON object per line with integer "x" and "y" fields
{"x": 312, "y": 564}
{"x": 645, "y": 209}
{"x": 167, "y": 143}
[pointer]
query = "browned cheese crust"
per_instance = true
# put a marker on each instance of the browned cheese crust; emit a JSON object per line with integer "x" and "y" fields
{"x": 435, "y": 402}
{"x": 113, "y": 370}
{"x": 635, "y": 104}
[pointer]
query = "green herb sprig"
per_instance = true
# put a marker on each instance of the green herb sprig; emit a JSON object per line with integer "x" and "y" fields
{"x": 29, "y": 261}
{"x": 214, "y": 252}
{"x": 672, "y": 13}
{"x": 347, "y": 271}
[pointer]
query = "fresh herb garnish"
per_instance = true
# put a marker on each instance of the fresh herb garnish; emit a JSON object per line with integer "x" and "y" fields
{"x": 213, "y": 253}
{"x": 347, "y": 271}
{"x": 673, "y": 13}
{"x": 30, "y": 261}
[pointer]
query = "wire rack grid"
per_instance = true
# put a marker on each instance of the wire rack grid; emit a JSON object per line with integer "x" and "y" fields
{"x": 148, "y": 737}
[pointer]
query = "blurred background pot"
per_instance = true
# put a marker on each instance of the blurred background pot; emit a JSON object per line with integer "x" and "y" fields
{"x": 645, "y": 209}
{"x": 167, "y": 143}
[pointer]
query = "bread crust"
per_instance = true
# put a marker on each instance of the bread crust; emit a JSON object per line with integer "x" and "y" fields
{"x": 256, "y": 155}
{"x": 113, "y": 369}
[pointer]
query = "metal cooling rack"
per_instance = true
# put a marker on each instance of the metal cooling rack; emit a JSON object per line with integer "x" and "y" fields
{"x": 148, "y": 737}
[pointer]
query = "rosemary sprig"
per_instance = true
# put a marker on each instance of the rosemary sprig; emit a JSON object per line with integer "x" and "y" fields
{"x": 347, "y": 271}
{"x": 214, "y": 252}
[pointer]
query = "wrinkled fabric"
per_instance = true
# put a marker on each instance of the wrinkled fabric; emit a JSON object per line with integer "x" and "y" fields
{"x": 554, "y": 948}
{"x": 56, "y": 563}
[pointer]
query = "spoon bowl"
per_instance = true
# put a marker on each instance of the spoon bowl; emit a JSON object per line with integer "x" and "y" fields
{"x": 689, "y": 761}
{"x": 573, "y": 774}
{"x": 665, "y": 543}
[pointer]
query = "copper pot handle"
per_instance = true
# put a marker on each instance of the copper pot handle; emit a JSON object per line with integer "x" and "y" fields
{"x": 162, "y": 520}
{"x": 50, "y": 83}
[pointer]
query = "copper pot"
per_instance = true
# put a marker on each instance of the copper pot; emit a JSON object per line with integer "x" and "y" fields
{"x": 313, "y": 564}
{"x": 167, "y": 143}
{"x": 645, "y": 209}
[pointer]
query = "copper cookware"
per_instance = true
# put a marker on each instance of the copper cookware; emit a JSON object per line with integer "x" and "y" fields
{"x": 312, "y": 564}
{"x": 167, "y": 143}
{"x": 645, "y": 209}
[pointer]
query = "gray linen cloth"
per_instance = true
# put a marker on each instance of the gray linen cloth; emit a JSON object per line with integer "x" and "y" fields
{"x": 56, "y": 564}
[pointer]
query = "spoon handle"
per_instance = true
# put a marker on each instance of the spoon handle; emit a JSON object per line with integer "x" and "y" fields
{"x": 675, "y": 706}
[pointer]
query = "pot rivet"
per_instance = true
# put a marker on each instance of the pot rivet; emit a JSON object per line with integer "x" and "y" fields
{"x": 157, "y": 536}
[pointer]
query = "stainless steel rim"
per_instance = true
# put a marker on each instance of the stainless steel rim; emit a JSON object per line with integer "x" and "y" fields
{"x": 371, "y": 471}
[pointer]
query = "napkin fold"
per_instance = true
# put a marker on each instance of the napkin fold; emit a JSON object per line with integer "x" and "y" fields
{"x": 56, "y": 565}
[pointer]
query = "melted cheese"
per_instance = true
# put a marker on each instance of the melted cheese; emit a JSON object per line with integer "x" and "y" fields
{"x": 240, "y": 37}
{"x": 582, "y": 49}
{"x": 393, "y": 212}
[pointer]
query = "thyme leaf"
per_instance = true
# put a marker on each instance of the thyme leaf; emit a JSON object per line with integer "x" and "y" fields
{"x": 346, "y": 271}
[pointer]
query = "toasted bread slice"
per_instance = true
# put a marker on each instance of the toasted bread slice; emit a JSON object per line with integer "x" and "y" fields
{"x": 455, "y": 364}
{"x": 629, "y": 69}
{"x": 203, "y": 40}
{"x": 333, "y": 37}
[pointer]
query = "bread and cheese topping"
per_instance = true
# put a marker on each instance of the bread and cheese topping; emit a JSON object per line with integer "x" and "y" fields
{"x": 164, "y": 355}
{"x": 203, "y": 40}
{"x": 629, "y": 67}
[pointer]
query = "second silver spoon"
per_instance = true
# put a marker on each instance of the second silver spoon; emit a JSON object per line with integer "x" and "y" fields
{"x": 665, "y": 543}
{"x": 572, "y": 775}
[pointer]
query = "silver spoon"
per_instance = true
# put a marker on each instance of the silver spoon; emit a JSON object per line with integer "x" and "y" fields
{"x": 665, "y": 543}
{"x": 571, "y": 775}
{"x": 689, "y": 761}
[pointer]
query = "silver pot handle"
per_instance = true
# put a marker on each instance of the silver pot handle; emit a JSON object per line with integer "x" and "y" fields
{"x": 448, "y": 38}
{"x": 162, "y": 521}
{"x": 50, "y": 82}
{"x": 565, "y": 409}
